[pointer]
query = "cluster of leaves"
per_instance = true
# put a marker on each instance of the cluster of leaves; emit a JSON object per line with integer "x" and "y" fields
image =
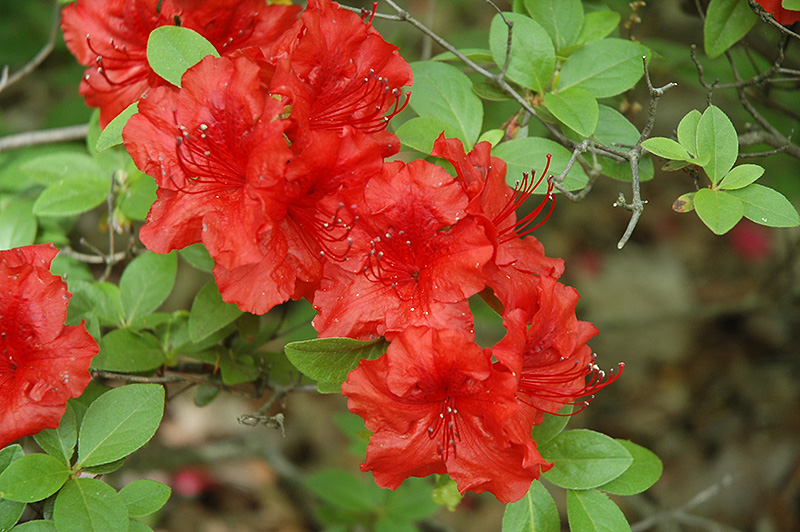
{"x": 709, "y": 141}
{"x": 91, "y": 440}
{"x": 564, "y": 61}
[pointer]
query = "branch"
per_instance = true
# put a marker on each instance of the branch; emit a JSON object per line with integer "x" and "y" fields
{"x": 634, "y": 155}
{"x": 7, "y": 80}
{"x": 766, "y": 17}
{"x": 44, "y": 136}
{"x": 681, "y": 514}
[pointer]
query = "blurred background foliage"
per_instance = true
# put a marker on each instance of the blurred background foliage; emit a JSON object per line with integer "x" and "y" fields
{"x": 709, "y": 327}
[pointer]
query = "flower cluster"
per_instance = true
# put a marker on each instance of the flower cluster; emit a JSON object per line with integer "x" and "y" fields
{"x": 44, "y": 362}
{"x": 274, "y": 157}
{"x": 437, "y": 402}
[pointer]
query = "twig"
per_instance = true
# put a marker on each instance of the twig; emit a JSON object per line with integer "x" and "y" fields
{"x": 637, "y": 205}
{"x": 510, "y": 25}
{"x": 766, "y": 17}
{"x": 681, "y": 513}
{"x": 7, "y": 80}
{"x": 168, "y": 379}
{"x": 90, "y": 259}
{"x": 277, "y": 421}
{"x": 44, "y": 136}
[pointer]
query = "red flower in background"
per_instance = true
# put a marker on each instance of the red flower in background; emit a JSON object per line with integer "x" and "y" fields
{"x": 110, "y": 37}
{"x": 43, "y": 362}
{"x": 782, "y": 15}
{"x": 436, "y": 404}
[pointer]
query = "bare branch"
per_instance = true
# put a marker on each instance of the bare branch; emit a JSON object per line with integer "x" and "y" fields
{"x": 766, "y": 17}
{"x": 634, "y": 155}
{"x": 44, "y": 136}
{"x": 7, "y": 80}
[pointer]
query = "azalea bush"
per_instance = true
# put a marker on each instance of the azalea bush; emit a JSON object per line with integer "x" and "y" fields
{"x": 354, "y": 218}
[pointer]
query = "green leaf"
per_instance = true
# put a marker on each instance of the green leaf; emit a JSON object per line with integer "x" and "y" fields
{"x": 197, "y": 255}
{"x": 394, "y": 524}
{"x": 60, "y": 442}
{"x": 535, "y": 512}
{"x": 91, "y": 298}
{"x": 331, "y": 359}
{"x": 172, "y": 50}
{"x": 89, "y": 505}
{"x": 598, "y": 24}
{"x": 72, "y": 195}
{"x": 130, "y": 351}
{"x": 344, "y": 490}
{"x": 51, "y": 168}
{"x": 32, "y": 478}
{"x": 794, "y": 5}
{"x": 593, "y": 511}
{"x": 766, "y": 206}
{"x": 443, "y": 92}
{"x": 530, "y": 153}
{"x": 138, "y": 526}
{"x": 139, "y": 195}
{"x": 645, "y": 470}
{"x": 445, "y": 493}
{"x": 684, "y": 203}
{"x": 17, "y": 223}
{"x": 492, "y": 136}
{"x": 119, "y": 422}
{"x": 146, "y": 283}
{"x": 720, "y": 211}
{"x": 9, "y": 454}
{"x": 421, "y": 132}
{"x": 143, "y": 497}
{"x": 741, "y": 176}
{"x": 10, "y": 512}
{"x": 666, "y": 148}
{"x": 561, "y": 19}
{"x": 717, "y": 142}
{"x": 576, "y": 108}
{"x": 236, "y": 368}
{"x": 551, "y": 426}
{"x": 479, "y": 55}
{"x": 687, "y": 133}
{"x": 38, "y": 525}
{"x": 604, "y": 68}
{"x": 329, "y": 387}
{"x": 412, "y": 501}
{"x": 584, "y": 459}
{"x": 210, "y": 313}
{"x": 533, "y": 59}
{"x": 112, "y": 134}
{"x": 726, "y": 22}
{"x": 104, "y": 469}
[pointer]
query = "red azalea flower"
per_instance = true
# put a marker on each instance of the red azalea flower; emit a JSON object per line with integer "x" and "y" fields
{"x": 336, "y": 70}
{"x": 415, "y": 258}
{"x": 44, "y": 362}
{"x": 782, "y": 15}
{"x": 110, "y": 37}
{"x": 519, "y": 262}
{"x": 548, "y": 352}
{"x": 436, "y": 404}
{"x": 228, "y": 178}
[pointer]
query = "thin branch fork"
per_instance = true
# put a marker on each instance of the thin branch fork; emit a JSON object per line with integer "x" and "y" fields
{"x": 634, "y": 155}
